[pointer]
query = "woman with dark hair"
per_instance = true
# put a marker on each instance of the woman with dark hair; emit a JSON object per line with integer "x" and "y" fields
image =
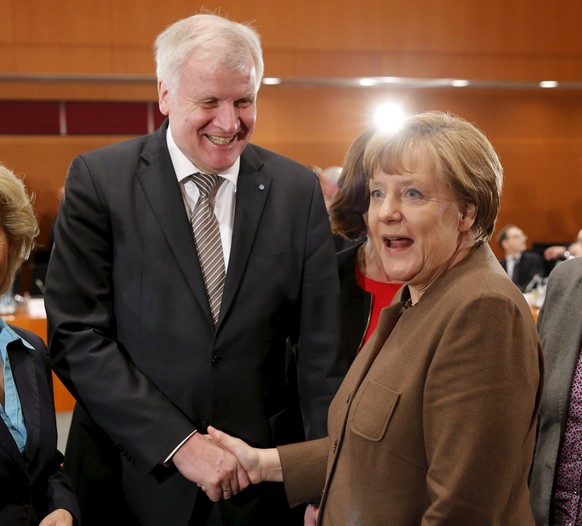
{"x": 365, "y": 287}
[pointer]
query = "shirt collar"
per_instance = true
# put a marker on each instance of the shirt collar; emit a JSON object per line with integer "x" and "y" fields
{"x": 185, "y": 168}
{"x": 7, "y": 336}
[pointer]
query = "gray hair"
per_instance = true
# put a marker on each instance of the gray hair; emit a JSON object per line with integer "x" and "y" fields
{"x": 223, "y": 42}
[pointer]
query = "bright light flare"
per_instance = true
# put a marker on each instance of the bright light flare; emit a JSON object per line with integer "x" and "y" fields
{"x": 389, "y": 117}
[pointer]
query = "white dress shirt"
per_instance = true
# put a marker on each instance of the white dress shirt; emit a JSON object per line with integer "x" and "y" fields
{"x": 224, "y": 201}
{"x": 511, "y": 261}
{"x": 224, "y": 206}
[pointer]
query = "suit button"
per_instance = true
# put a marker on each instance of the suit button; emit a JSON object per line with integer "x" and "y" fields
{"x": 216, "y": 360}
{"x": 334, "y": 445}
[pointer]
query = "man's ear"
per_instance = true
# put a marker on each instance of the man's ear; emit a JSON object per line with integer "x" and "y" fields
{"x": 163, "y": 97}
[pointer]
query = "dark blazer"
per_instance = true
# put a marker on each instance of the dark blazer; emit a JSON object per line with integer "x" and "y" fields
{"x": 131, "y": 332}
{"x": 435, "y": 421}
{"x": 530, "y": 265}
{"x": 355, "y": 304}
{"x": 32, "y": 483}
{"x": 560, "y": 327}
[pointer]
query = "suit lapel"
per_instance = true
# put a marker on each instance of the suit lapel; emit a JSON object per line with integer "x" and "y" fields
{"x": 253, "y": 188}
{"x": 158, "y": 180}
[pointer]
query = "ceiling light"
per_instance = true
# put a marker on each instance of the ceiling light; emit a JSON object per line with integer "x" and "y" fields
{"x": 367, "y": 82}
{"x": 272, "y": 81}
{"x": 548, "y": 84}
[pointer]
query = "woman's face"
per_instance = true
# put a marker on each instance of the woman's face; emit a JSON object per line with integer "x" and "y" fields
{"x": 417, "y": 227}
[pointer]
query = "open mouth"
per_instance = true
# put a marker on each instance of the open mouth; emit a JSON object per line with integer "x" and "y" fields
{"x": 220, "y": 140}
{"x": 397, "y": 242}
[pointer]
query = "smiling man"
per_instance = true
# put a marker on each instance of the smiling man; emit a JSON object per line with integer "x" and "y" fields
{"x": 183, "y": 263}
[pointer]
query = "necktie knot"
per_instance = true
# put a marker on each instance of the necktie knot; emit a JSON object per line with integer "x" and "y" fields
{"x": 205, "y": 182}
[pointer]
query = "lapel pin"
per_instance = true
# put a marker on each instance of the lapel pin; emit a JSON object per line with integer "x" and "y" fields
{"x": 261, "y": 187}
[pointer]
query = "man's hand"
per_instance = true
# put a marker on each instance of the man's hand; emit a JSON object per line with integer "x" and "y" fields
{"x": 215, "y": 469}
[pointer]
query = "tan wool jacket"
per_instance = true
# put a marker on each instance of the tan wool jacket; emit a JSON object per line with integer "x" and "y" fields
{"x": 435, "y": 422}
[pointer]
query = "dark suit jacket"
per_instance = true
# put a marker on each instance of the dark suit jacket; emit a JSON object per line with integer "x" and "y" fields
{"x": 560, "y": 327}
{"x": 355, "y": 304}
{"x": 435, "y": 421}
{"x": 530, "y": 265}
{"x": 32, "y": 483}
{"x": 130, "y": 327}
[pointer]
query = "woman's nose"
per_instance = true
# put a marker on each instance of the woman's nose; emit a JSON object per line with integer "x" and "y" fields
{"x": 390, "y": 210}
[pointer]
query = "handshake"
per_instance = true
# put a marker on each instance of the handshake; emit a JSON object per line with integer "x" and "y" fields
{"x": 222, "y": 465}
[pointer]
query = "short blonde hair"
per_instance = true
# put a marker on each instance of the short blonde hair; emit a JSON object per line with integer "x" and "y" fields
{"x": 18, "y": 220}
{"x": 458, "y": 152}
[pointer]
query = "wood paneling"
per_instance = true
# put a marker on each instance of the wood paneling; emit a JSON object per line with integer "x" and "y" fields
{"x": 43, "y": 162}
{"x": 537, "y": 133}
{"x": 447, "y": 38}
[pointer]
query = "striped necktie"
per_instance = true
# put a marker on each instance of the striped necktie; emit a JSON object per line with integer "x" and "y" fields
{"x": 208, "y": 243}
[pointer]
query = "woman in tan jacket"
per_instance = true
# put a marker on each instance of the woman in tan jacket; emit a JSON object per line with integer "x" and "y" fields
{"x": 435, "y": 421}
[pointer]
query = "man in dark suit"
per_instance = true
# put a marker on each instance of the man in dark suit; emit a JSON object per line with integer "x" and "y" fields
{"x": 521, "y": 265}
{"x": 132, "y": 331}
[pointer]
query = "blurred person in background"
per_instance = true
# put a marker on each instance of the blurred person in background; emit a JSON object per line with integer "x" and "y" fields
{"x": 365, "y": 287}
{"x": 561, "y": 252}
{"x": 520, "y": 264}
{"x": 33, "y": 487}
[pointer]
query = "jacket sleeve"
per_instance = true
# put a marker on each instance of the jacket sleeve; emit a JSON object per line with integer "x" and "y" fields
{"x": 304, "y": 468}
{"x": 320, "y": 366}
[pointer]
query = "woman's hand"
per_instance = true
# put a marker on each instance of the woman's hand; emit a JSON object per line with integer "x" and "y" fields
{"x": 213, "y": 467}
{"x": 60, "y": 517}
{"x": 261, "y": 465}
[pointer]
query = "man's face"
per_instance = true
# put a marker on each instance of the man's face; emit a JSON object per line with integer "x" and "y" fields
{"x": 212, "y": 112}
{"x": 515, "y": 242}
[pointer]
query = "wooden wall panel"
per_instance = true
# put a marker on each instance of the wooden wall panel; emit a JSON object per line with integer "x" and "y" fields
{"x": 537, "y": 133}
{"x": 43, "y": 162}
{"x": 538, "y": 136}
{"x": 383, "y": 37}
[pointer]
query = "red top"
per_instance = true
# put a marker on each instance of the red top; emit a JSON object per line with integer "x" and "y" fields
{"x": 382, "y": 295}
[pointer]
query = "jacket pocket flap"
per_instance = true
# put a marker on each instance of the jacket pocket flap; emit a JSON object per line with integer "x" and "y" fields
{"x": 373, "y": 411}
